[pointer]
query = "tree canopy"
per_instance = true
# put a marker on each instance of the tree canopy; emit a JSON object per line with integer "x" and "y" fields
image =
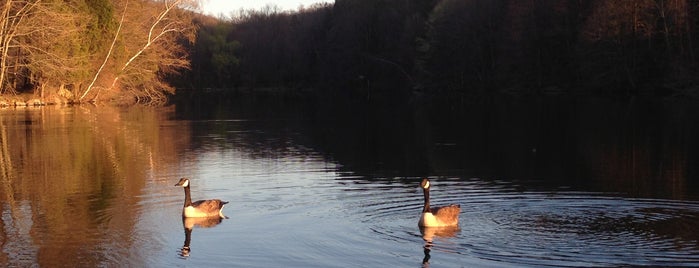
{"x": 84, "y": 50}
{"x": 140, "y": 50}
{"x": 459, "y": 48}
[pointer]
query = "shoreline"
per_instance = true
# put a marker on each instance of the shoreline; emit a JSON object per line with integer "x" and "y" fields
{"x": 27, "y": 101}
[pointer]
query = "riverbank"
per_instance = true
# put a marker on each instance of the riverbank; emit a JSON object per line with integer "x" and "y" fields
{"x": 22, "y": 100}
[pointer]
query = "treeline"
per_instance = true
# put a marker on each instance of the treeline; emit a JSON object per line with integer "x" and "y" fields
{"x": 90, "y": 50}
{"x": 455, "y": 48}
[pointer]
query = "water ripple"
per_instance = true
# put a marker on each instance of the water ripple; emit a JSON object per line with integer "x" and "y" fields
{"x": 501, "y": 224}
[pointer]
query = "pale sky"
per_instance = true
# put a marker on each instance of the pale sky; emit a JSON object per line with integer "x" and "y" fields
{"x": 225, "y": 7}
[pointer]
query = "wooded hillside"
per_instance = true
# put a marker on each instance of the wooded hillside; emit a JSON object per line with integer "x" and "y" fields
{"x": 86, "y": 50}
{"x": 457, "y": 48}
{"x": 136, "y": 50}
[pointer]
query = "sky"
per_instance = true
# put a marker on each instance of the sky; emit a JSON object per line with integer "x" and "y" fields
{"x": 225, "y": 7}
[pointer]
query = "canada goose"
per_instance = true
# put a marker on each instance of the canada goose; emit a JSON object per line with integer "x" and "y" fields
{"x": 201, "y": 208}
{"x": 438, "y": 216}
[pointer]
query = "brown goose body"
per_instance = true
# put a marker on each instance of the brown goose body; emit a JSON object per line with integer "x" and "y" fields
{"x": 200, "y": 208}
{"x": 437, "y": 216}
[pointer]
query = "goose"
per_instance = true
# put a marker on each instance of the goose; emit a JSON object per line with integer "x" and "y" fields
{"x": 437, "y": 216}
{"x": 201, "y": 208}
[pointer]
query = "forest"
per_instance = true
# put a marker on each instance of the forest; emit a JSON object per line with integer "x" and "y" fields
{"x": 75, "y": 51}
{"x": 142, "y": 51}
{"x": 454, "y": 49}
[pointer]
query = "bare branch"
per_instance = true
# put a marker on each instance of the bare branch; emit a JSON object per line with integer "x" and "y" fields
{"x": 109, "y": 53}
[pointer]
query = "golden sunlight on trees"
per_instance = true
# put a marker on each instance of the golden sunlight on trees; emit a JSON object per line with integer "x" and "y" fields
{"x": 85, "y": 50}
{"x": 58, "y": 52}
{"x": 150, "y": 49}
{"x": 13, "y": 17}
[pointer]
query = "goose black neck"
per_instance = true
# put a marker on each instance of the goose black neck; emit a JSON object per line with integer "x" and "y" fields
{"x": 184, "y": 251}
{"x": 187, "y": 237}
{"x": 187, "y": 197}
{"x": 426, "y": 191}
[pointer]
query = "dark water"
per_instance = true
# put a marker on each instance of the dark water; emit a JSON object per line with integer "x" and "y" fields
{"x": 540, "y": 183}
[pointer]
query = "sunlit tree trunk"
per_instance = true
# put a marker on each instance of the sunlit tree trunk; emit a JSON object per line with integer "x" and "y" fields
{"x": 109, "y": 53}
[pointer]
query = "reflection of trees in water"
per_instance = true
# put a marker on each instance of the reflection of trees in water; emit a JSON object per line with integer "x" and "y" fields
{"x": 7, "y": 176}
{"x": 641, "y": 148}
{"x": 73, "y": 168}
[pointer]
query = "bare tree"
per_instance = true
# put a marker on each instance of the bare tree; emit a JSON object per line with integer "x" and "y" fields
{"x": 13, "y": 16}
{"x": 58, "y": 54}
{"x": 155, "y": 31}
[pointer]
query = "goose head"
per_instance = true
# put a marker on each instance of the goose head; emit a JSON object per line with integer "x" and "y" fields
{"x": 184, "y": 182}
{"x": 425, "y": 184}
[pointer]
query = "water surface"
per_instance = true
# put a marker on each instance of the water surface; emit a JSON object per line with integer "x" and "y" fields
{"x": 540, "y": 184}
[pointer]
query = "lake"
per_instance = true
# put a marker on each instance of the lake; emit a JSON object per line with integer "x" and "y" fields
{"x": 541, "y": 182}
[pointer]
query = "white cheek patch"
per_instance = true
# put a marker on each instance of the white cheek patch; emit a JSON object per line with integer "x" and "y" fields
{"x": 186, "y": 183}
{"x": 427, "y": 184}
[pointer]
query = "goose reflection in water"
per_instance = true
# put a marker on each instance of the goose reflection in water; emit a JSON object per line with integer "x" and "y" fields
{"x": 188, "y": 224}
{"x": 429, "y": 234}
